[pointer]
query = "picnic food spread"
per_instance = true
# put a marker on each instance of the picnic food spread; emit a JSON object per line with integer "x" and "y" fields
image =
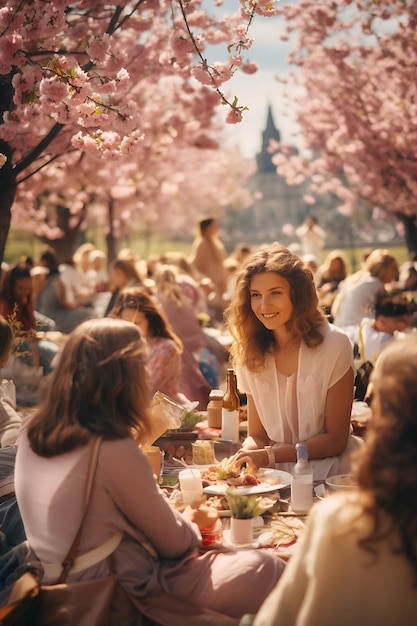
{"x": 230, "y": 473}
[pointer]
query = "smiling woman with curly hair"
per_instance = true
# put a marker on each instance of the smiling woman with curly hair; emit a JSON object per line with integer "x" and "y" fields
{"x": 357, "y": 563}
{"x": 295, "y": 367}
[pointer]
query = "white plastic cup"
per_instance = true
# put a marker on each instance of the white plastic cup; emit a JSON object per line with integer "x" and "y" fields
{"x": 191, "y": 486}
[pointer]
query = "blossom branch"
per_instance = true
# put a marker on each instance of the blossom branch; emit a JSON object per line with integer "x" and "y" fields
{"x": 211, "y": 71}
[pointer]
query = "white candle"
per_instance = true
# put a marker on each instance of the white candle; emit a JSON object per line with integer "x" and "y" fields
{"x": 191, "y": 485}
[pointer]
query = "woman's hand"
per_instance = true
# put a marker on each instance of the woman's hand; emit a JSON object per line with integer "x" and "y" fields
{"x": 253, "y": 458}
{"x": 204, "y": 516}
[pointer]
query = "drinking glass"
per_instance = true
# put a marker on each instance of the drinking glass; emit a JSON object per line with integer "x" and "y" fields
{"x": 166, "y": 414}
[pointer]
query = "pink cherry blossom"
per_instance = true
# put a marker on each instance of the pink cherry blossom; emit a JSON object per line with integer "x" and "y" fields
{"x": 249, "y": 67}
{"x": 103, "y": 94}
{"x": 233, "y": 116}
{"x": 364, "y": 145}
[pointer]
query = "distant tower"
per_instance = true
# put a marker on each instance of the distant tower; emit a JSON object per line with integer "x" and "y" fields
{"x": 264, "y": 158}
{"x": 275, "y": 203}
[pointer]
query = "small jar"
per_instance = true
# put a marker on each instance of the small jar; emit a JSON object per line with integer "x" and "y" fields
{"x": 215, "y": 535}
{"x": 214, "y": 408}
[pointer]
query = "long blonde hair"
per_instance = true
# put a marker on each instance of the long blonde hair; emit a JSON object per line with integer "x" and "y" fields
{"x": 377, "y": 264}
{"x": 324, "y": 270}
{"x": 167, "y": 286}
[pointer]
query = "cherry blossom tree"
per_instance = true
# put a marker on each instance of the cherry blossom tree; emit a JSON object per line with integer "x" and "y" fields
{"x": 152, "y": 198}
{"x": 76, "y": 78}
{"x": 356, "y": 63}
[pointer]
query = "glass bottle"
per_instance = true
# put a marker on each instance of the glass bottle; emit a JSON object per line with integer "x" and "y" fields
{"x": 230, "y": 408}
{"x": 302, "y": 481}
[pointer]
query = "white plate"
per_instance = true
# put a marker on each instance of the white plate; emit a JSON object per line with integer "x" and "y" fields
{"x": 263, "y": 487}
{"x": 175, "y": 468}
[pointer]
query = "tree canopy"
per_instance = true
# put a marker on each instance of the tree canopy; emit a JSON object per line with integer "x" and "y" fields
{"x": 92, "y": 85}
{"x": 356, "y": 63}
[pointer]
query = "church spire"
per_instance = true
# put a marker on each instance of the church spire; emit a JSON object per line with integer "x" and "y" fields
{"x": 263, "y": 159}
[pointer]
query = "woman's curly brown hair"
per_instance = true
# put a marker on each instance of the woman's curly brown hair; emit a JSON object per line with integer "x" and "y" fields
{"x": 387, "y": 471}
{"x": 252, "y": 341}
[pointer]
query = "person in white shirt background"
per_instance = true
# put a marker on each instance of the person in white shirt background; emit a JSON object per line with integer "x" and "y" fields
{"x": 312, "y": 237}
{"x": 357, "y": 293}
{"x": 393, "y": 316}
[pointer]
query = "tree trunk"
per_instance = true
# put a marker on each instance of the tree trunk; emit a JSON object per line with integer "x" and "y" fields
{"x": 65, "y": 247}
{"x": 110, "y": 238}
{"x": 410, "y": 228}
{"x": 7, "y": 196}
{"x": 8, "y": 178}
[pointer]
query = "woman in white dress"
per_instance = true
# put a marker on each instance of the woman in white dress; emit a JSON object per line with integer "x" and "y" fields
{"x": 295, "y": 367}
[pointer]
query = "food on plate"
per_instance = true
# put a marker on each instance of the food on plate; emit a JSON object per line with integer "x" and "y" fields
{"x": 235, "y": 475}
{"x": 209, "y": 476}
{"x": 229, "y": 473}
{"x": 228, "y": 468}
{"x": 218, "y": 502}
{"x": 340, "y": 482}
{"x": 203, "y": 453}
{"x": 245, "y": 479}
{"x": 264, "y": 478}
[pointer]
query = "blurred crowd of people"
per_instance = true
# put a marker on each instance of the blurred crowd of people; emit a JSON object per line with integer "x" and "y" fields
{"x": 188, "y": 309}
{"x": 181, "y": 296}
{"x": 45, "y": 299}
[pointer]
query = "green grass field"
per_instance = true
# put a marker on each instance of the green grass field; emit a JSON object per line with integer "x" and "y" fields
{"x": 21, "y": 243}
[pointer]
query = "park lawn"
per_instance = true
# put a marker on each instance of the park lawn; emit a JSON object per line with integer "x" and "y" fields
{"x": 20, "y": 243}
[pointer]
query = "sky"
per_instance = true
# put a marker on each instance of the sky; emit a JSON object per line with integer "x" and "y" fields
{"x": 257, "y": 91}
